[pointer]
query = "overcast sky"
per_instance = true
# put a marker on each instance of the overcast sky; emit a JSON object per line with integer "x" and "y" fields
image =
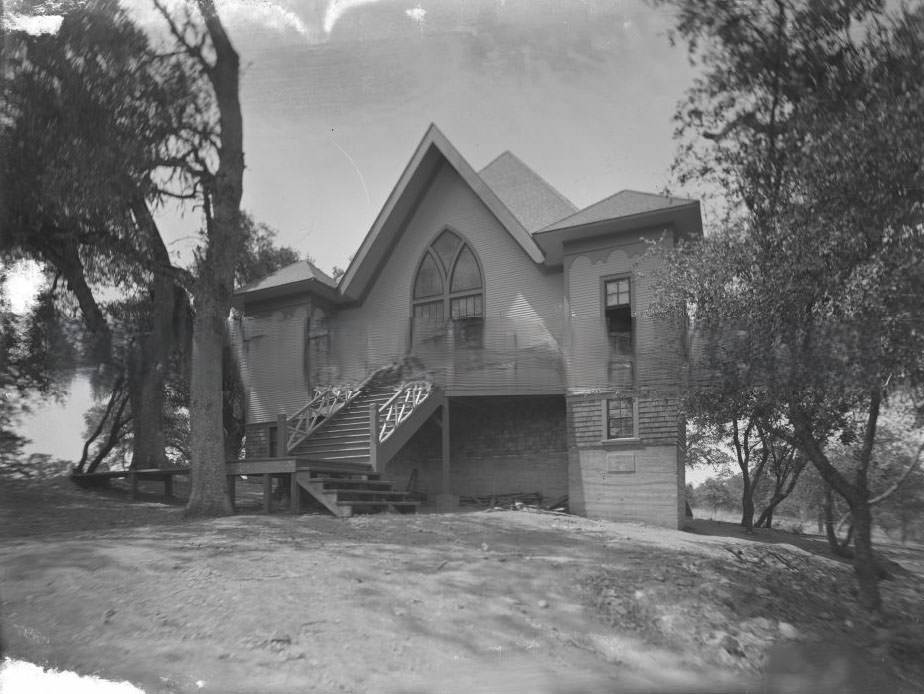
{"x": 336, "y": 95}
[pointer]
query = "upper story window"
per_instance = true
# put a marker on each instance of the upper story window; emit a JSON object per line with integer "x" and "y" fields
{"x": 448, "y": 286}
{"x": 618, "y": 314}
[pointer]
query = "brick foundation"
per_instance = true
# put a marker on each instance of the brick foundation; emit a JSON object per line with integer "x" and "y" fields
{"x": 499, "y": 446}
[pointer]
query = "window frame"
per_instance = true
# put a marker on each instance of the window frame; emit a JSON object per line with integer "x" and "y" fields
{"x": 446, "y": 276}
{"x": 633, "y": 400}
{"x": 633, "y": 346}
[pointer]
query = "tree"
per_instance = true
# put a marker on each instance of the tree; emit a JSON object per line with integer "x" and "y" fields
{"x": 89, "y": 119}
{"x": 807, "y": 116}
{"x": 220, "y": 190}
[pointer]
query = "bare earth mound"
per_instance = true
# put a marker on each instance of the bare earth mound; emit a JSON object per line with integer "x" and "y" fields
{"x": 484, "y": 601}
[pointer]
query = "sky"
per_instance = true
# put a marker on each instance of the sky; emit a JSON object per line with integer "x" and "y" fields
{"x": 336, "y": 94}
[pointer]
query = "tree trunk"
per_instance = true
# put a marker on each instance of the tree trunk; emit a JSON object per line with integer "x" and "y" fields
{"x": 864, "y": 561}
{"x": 747, "y": 503}
{"x": 149, "y": 363}
{"x": 209, "y": 488}
{"x": 208, "y": 495}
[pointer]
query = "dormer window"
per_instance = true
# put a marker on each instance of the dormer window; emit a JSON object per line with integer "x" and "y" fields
{"x": 448, "y": 286}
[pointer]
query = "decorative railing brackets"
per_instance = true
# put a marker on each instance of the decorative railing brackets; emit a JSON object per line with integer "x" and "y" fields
{"x": 400, "y": 406}
{"x": 324, "y": 403}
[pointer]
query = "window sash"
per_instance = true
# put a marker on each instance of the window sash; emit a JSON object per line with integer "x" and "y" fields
{"x": 620, "y": 418}
{"x": 618, "y": 292}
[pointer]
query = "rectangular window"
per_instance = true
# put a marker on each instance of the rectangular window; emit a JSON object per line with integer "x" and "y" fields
{"x": 620, "y": 418}
{"x": 619, "y": 315}
{"x": 466, "y": 307}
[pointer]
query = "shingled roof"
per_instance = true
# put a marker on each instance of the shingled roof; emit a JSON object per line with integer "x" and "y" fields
{"x": 525, "y": 193}
{"x": 301, "y": 275}
{"x": 622, "y": 204}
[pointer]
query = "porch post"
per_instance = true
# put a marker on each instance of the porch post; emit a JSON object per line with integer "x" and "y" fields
{"x": 282, "y": 436}
{"x": 446, "y": 500}
{"x": 444, "y": 487}
{"x": 374, "y": 437}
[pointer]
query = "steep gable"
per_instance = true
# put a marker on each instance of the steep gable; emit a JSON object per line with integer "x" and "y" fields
{"x": 434, "y": 150}
{"x": 527, "y": 195}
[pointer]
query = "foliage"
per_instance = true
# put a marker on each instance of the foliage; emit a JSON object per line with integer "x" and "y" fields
{"x": 260, "y": 256}
{"x": 808, "y": 115}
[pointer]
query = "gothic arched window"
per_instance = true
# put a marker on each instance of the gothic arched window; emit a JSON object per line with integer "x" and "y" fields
{"x": 448, "y": 285}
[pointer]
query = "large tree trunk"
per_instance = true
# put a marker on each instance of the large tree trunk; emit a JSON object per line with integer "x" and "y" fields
{"x": 148, "y": 365}
{"x": 864, "y": 561}
{"x": 208, "y": 493}
{"x": 747, "y": 502}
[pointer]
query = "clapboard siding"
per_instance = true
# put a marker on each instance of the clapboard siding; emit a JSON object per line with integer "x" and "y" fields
{"x": 658, "y": 343}
{"x": 273, "y": 361}
{"x": 523, "y": 305}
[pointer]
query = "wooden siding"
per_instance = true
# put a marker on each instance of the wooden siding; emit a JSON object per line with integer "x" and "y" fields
{"x": 523, "y": 306}
{"x": 658, "y": 344}
{"x": 273, "y": 361}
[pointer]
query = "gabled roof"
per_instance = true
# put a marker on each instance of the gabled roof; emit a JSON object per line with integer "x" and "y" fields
{"x": 434, "y": 150}
{"x": 303, "y": 275}
{"x": 621, "y": 204}
{"x": 526, "y": 194}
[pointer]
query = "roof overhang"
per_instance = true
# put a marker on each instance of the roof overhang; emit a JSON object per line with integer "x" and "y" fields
{"x": 685, "y": 220}
{"x": 312, "y": 287}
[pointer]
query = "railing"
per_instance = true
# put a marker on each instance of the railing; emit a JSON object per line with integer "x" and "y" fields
{"x": 324, "y": 403}
{"x": 400, "y": 406}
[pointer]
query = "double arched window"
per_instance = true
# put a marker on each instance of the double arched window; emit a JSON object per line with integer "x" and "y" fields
{"x": 448, "y": 284}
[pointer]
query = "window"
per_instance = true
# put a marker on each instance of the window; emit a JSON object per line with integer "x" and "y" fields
{"x": 620, "y": 418}
{"x": 618, "y": 314}
{"x": 448, "y": 286}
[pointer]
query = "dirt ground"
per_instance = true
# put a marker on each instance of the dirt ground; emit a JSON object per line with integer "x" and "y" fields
{"x": 487, "y": 601}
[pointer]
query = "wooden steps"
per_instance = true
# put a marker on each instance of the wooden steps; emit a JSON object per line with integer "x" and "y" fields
{"x": 347, "y": 489}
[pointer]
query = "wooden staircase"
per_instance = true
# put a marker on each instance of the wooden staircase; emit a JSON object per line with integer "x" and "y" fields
{"x": 341, "y": 460}
{"x": 348, "y": 489}
{"x": 345, "y": 437}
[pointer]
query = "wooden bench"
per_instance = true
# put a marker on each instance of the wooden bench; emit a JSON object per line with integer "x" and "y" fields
{"x": 165, "y": 475}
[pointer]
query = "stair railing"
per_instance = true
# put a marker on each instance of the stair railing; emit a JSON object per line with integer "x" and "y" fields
{"x": 400, "y": 406}
{"x": 324, "y": 403}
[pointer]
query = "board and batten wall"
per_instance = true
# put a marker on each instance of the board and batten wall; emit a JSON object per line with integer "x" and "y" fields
{"x": 633, "y": 479}
{"x": 521, "y": 351}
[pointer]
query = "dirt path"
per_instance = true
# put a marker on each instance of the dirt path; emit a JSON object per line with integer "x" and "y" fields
{"x": 502, "y": 601}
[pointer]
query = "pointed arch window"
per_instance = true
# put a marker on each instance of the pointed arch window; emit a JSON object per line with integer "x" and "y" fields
{"x": 448, "y": 286}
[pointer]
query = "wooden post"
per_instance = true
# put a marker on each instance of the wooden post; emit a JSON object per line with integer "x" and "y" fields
{"x": 282, "y": 435}
{"x": 232, "y": 479}
{"x": 168, "y": 487}
{"x": 267, "y": 492}
{"x": 133, "y": 480}
{"x": 295, "y": 494}
{"x": 374, "y": 436}
{"x": 445, "y": 447}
